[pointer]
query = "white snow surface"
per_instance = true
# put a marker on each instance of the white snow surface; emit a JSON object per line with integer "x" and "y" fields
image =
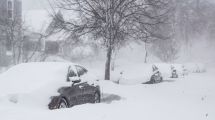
{"x": 28, "y": 77}
{"x": 141, "y": 72}
{"x": 188, "y": 98}
{"x": 32, "y": 84}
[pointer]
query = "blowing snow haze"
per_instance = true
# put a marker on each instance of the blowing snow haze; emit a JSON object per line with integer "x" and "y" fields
{"x": 34, "y": 9}
{"x": 34, "y": 4}
{"x": 135, "y": 59}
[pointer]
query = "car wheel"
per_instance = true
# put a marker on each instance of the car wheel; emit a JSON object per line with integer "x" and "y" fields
{"x": 63, "y": 104}
{"x": 97, "y": 98}
{"x": 152, "y": 79}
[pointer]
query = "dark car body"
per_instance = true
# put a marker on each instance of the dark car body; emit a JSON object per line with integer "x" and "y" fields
{"x": 174, "y": 74}
{"x": 79, "y": 92}
{"x": 156, "y": 78}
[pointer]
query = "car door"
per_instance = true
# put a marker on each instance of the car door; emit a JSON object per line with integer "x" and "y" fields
{"x": 81, "y": 96}
{"x": 74, "y": 94}
{"x": 89, "y": 91}
{"x": 81, "y": 71}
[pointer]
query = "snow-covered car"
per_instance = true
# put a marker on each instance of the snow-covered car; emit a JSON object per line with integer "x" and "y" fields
{"x": 174, "y": 72}
{"x": 35, "y": 84}
{"x": 78, "y": 93}
{"x": 156, "y": 76}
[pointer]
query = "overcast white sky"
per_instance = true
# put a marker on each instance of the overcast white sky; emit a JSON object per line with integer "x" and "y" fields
{"x": 40, "y": 4}
{"x": 34, "y": 4}
{"x": 35, "y": 14}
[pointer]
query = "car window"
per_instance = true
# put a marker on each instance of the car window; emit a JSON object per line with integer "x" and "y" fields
{"x": 80, "y": 70}
{"x": 71, "y": 73}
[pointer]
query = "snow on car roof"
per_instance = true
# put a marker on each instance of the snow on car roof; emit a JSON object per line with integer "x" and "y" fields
{"x": 28, "y": 77}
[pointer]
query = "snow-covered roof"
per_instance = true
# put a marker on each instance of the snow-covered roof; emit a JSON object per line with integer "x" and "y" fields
{"x": 40, "y": 21}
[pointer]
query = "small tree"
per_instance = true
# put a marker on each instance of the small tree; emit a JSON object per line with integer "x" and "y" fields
{"x": 12, "y": 33}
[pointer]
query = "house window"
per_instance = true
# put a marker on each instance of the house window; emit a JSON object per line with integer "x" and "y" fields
{"x": 10, "y": 9}
{"x": 10, "y": 14}
{"x": 9, "y": 5}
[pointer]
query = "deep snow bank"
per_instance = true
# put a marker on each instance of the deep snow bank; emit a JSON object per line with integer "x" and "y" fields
{"x": 33, "y": 82}
{"x": 32, "y": 76}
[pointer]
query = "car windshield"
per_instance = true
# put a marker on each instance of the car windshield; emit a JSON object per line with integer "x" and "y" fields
{"x": 70, "y": 73}
{"x": 80, "y": 70}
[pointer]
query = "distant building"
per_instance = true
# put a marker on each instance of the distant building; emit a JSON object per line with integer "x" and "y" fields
{"x": 9, "y": 10}
{"x": 33, "y": 40}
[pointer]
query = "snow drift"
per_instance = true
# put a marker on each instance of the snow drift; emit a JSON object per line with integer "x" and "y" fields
{"x": 34, "y": 81}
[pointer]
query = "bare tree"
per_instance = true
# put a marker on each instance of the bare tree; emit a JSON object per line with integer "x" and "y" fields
{"x": 193, "y": 19}
{"x": 12, "y": 31}
{"x": 112, "y": 22}
{"x": 20, "y": 44}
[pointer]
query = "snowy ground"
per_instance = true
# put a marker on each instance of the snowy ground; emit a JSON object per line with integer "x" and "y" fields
{"x": 189, "y": 98}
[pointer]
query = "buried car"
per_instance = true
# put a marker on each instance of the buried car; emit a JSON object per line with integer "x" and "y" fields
{"x": 79, "y": 92}
{"x": 174, "y": 73}
{"x": 156, "y": 76}
{"x": 33, "y": 84}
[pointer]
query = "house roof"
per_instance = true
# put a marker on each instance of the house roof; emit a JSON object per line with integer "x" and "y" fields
{"x": 41, "y": 22}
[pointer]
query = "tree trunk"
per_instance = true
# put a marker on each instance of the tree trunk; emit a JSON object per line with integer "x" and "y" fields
{"x": 14, "y": 54}
{"x": 146, "y": 54}
{"x": 19, "y": 58}
{"x": 108, "y": 63}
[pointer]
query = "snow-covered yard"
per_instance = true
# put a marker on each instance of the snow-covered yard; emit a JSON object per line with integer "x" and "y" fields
{"x": 188, "y": 98}
{"x": 172, "y": 40}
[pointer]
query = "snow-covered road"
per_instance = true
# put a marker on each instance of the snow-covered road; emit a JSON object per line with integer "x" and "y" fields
{"x": 189, "y": 98}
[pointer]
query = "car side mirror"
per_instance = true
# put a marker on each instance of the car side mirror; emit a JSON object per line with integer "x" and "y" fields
{"x": 75, "y": 80}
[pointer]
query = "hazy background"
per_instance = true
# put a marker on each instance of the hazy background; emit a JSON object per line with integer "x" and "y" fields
{"x": 35, "y": 13}
{"x": 34, "y": 4}
{"x": 36, "y": 16}
{"x": 41, "y": 4}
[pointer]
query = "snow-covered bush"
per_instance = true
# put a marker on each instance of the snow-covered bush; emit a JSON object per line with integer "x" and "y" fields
{"x": 195, "y": 67}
